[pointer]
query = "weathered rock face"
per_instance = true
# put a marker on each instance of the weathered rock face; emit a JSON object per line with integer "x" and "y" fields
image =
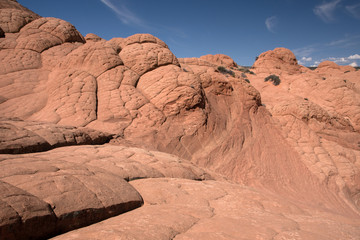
{"x": 290, "y": 152}
{"x": 277, "y": 60}
{"x": 183, "y": 209}
{"x": 318, "y": 112}
{"x": 71, "y": 187}
{"x": 78, "y": 194}
{"x": 23, "y": 215}
{"x": 220, "y": 60}
{"x": 2, "y": 33}
{"x": 14, "y": 16}
{"x": 24, "y": 137}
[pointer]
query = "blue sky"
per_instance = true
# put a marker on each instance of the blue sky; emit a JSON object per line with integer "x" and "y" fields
{"x": 315, "y": 30}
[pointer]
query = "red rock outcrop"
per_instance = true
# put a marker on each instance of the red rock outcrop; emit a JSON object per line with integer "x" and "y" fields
{"x": 78, "y": 195}
{"x": 24, "y": 216}
{"x": 183, "y": 209}
{"x": 24, "y": 137}
{"x": 289, "y": 148}
{"x": 68, "y": 188}
{"x": 220, "y": 59}
{"x": 318, "y": 112}
{"x": 276, "y": 61}
{"x": 13, "y": 16}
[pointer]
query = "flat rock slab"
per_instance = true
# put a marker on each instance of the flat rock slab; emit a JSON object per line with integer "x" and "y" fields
{"x": 77, "y": 195}
{"x": 23, "y": 215}
{"x": 18, "y": 136}
{"x": 128, "y": 163}
{"x": 74, "y": 186}
{"x": 185, "y": 209}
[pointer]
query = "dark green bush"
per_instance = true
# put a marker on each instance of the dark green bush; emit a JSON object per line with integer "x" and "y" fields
{"x": 273, "y": 78}
{"x": 246, "y": 70}
{"x": 223, "y": 70}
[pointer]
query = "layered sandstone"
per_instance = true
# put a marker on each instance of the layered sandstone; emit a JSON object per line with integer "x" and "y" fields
{"x": 194, "y": 148}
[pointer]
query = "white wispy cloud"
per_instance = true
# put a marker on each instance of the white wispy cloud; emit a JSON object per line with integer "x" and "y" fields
{"x": 350, "y": 60}
{"x": 304, "y": 51}
{"x": 355, "y": 56}
{"x": 350, "y": 41}
{"x": 338, "y": 42}
{"x": 353, "y": 64}
{"x": 354, "y": 10}
{"x": 325, "y": 11}
{"x": 271, "y": 23}
{"x": 125, "y": 15}
{"x": 306, "y": 59}
{"x": 339, "y": 60}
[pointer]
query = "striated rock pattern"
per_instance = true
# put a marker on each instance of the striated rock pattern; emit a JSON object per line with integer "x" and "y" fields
{"x": 318, "y": 113}
{"x": 189, "y": 150}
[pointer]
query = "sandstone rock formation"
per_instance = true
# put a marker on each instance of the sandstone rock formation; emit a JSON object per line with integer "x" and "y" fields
{"x": 171, "y": 148}
{"x": 318, "y": 112}
{"x": 23, "y": 137}
{"x": 183, "y": 209}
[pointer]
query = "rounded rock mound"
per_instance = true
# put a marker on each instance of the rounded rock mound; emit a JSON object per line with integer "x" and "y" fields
{"x": 13, "y": 16}
{"x": 277, "y": 61}
{"x": 220, "y": 59}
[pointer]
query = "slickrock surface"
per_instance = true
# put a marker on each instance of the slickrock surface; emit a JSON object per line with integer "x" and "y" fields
{"x": 214, "y": 150}
{"x": 71, "y": 187}
{"x": 76, "y": 195}
{"x": 18, "y": 136}
{"x": 24, "y": 215}
{"x": 183, "y": 209}
{"x": 318, "y": 112}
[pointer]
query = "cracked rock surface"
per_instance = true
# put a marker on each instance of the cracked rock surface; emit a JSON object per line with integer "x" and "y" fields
{"x": 120, "y": 139}
{"x": 184, "y": 209}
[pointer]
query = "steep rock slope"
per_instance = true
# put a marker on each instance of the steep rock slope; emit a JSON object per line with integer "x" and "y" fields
{"x": 318, "y": 112}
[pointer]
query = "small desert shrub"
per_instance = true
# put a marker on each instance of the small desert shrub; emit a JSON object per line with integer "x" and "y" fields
{"x": 273, "y": 78}
{"x": 246, "y": 70}
{"x": 223, "y": 70}
{"x": 247, "y": 80}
